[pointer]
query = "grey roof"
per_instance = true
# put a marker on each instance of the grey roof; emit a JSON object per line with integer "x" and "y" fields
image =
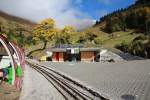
{"x": 81, "y": 49}
{"x": 58, "y": 50}
{"x": 90, "y": 49}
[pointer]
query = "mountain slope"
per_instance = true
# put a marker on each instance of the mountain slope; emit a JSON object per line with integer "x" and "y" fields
{"x": 15, "y": 28}
{"x": 125, "y": 28}
{"x": 13, "y": 23}
{"x": 16, "y": 19}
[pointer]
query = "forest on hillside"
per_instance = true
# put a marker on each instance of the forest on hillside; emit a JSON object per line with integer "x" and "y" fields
{"x": 136, "y": 16}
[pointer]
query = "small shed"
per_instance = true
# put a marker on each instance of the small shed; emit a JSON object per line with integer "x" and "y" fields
{"x": 73, "y": 54}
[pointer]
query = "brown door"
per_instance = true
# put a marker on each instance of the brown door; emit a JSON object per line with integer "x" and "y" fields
{"x": 57, "y": 56}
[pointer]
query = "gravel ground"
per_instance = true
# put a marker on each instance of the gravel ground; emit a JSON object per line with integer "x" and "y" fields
{"x": 36, "y": 87}
{"x": 119, "y": 81}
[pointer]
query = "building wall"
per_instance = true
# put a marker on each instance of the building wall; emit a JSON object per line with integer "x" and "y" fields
{"x": 87, "y": 56}
{"x": 55, "y": 59}
{"x": 54, "y": 56}
{"x": 61, "y": 57}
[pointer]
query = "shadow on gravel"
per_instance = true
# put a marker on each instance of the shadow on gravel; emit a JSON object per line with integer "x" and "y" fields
{"x": 129, "y": 57}
{"x": 128, "y": 97}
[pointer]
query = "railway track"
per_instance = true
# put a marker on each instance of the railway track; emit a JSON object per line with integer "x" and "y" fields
{"x": 68, "y": 88}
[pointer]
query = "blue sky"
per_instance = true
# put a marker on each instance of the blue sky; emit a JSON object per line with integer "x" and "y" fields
{"x": 97, "y": 8}
{"x": 77, "y": 13}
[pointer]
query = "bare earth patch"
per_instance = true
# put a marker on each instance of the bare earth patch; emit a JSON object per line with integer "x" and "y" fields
{"x": 8, "y": 92}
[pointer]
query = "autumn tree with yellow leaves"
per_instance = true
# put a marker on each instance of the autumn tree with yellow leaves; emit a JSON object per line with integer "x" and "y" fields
{"x": 68, "y": 33}
{"x": 65, "y": 36}
{"x": 45, "y": 31}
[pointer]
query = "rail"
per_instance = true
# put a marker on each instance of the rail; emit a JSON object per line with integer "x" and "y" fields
{"x": 67, "y": 87}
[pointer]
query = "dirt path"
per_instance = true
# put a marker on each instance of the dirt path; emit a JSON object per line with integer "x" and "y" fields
{"x": 8, "y": 92}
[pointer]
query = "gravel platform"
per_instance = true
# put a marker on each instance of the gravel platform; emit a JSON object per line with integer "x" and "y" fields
{"x": 119, "y": 81}
{"x": 36, "y": 87}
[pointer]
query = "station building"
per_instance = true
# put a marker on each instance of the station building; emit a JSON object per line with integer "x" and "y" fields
{"x": 65, "y": 54}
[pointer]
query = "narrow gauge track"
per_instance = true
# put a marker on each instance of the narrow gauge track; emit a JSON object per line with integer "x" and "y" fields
{"x": 69, "y": 89}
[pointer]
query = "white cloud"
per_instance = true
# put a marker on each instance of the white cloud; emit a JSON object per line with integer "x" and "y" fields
{"x": 36, "y": 10}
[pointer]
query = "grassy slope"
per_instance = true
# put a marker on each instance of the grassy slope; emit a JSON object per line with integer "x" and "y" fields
{"x": 13, "y": 23}
{"x": 109, "y": 42}
{"x": 18, "y": 20}
{"x": 38, "y": 45}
